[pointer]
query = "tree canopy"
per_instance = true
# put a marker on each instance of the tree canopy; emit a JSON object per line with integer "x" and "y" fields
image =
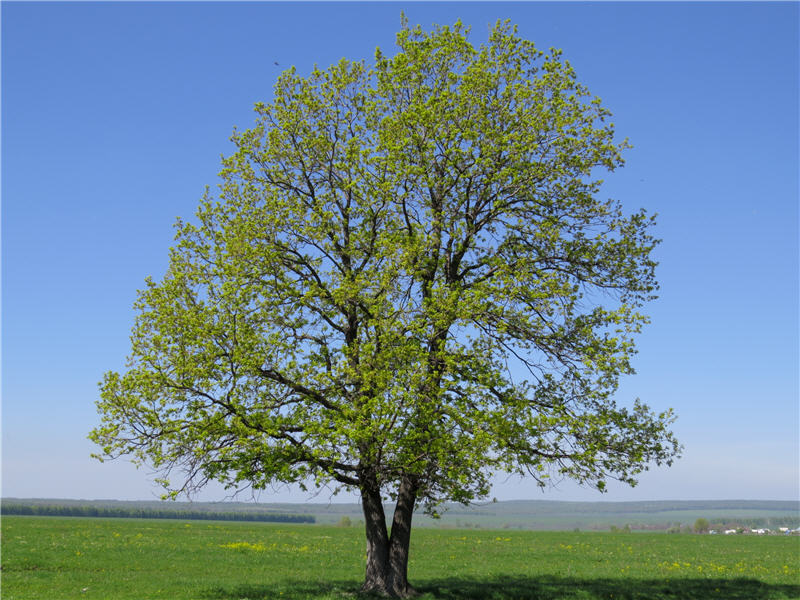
{"x": 406, "y": 283}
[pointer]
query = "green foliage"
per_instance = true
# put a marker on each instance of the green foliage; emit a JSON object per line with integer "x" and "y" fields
{"x": 45, "y": 558}
{"x": 407, "y": 274}
{"x": 345, "y": 521}
{"x": 701, "y": 525}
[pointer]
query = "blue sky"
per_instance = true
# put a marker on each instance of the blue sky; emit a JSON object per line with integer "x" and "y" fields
{"x": 114, "y": 117}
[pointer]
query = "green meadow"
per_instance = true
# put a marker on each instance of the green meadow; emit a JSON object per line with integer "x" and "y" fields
{"x": 62, "y": 558}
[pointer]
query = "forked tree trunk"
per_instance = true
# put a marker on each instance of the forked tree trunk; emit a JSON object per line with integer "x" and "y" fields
{"x": 387, "y": 556}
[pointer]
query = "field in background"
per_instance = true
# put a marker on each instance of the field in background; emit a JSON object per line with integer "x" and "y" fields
{"x": 65, "y": 558}
{"x": 525, "y": 514}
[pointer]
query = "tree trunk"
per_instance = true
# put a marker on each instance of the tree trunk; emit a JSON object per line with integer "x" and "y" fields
{"x": 387, "y": 557}
{"x": 401, "y": 538}
{"x": 377, "y": 541}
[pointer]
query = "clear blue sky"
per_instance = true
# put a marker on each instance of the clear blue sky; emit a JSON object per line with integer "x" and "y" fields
{"x": 114, "y": 117}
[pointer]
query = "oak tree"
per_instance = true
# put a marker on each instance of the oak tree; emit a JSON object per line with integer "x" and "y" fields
{"x": 407, "y": 282}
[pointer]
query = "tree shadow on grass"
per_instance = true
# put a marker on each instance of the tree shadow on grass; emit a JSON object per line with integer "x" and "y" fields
{"x": 531, "y": 588}
{"x": 572, "y": 588}
{"x": 289, "y": 591}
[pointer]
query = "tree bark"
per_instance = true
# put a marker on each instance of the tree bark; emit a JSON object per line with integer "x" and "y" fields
{"x": 387, "y": 557}
{"x": 401, "y": 538}
{"x": 377, "y": 541}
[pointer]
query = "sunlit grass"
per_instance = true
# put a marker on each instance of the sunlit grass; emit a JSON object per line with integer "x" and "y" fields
{"x": 46, "y": 557}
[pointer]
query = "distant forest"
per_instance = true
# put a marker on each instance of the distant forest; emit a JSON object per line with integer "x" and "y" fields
{"x": 54, "y": 510}
{"x": 672, "y": 515}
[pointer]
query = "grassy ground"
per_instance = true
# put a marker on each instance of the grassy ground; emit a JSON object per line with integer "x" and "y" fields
{"x": 63, "y": 558}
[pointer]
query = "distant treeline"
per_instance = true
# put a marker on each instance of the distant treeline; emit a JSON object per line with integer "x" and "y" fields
{"x": 728, "y": 523}
{"x": 46, "y": 510}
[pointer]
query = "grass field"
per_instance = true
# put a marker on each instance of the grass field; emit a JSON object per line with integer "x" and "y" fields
{"x": 62, "y": 558}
